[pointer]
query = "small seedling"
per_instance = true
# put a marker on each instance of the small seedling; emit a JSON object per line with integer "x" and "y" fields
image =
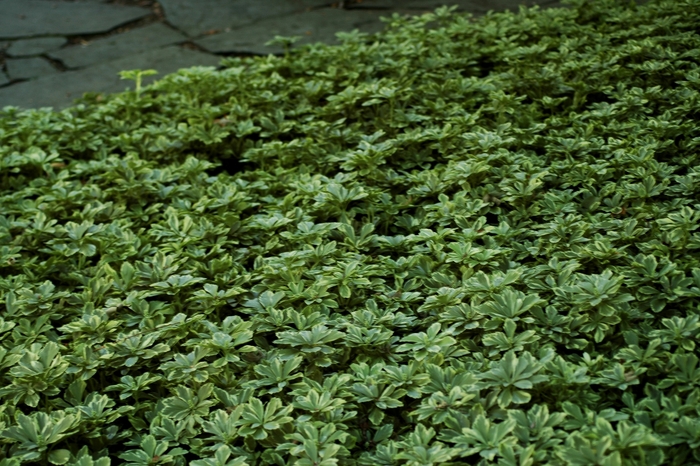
{"x": 136, "y": 75}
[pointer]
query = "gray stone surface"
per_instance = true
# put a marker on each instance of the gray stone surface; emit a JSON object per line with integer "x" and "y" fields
{"x": 313, "y": 26}
{"x": 59, "y": 90}
{"x": 27, "y": 68}
{"x": 221, "y": 26}
{"x": 27, "y": 18}
{"x": 139, "y": 40}
{"x": 196, "y": 17}
{"x": 36, "y": 46}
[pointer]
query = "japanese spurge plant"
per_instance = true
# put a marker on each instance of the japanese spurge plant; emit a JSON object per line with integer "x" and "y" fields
{"x": 459, "y": 242}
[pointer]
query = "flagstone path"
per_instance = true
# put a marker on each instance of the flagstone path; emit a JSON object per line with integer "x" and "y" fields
{"x": 53, "y": 51}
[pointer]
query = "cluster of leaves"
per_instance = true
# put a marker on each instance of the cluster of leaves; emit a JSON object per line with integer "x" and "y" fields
{"x": 457, "y": 241}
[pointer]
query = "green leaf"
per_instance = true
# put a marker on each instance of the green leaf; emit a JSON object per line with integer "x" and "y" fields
{"x": 59, "y": 456}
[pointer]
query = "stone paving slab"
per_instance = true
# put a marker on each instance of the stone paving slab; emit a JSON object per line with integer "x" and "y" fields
{"x": 139, "y": 40}
{"x": 36, "y": 46}
{"x": 27, "y": 68}
{"x": 59, "y": 90}
{"x": 196, "y": 17}
{"x": 3, "y": 79}
{"x": 28, "y": 18}
{"x": 313, "y": 26}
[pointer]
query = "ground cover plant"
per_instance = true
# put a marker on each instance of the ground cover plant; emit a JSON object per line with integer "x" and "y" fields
{"x": 456, "y": 242}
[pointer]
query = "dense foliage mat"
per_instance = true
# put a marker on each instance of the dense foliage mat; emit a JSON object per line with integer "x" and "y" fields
{"x": 457, "y": 241}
